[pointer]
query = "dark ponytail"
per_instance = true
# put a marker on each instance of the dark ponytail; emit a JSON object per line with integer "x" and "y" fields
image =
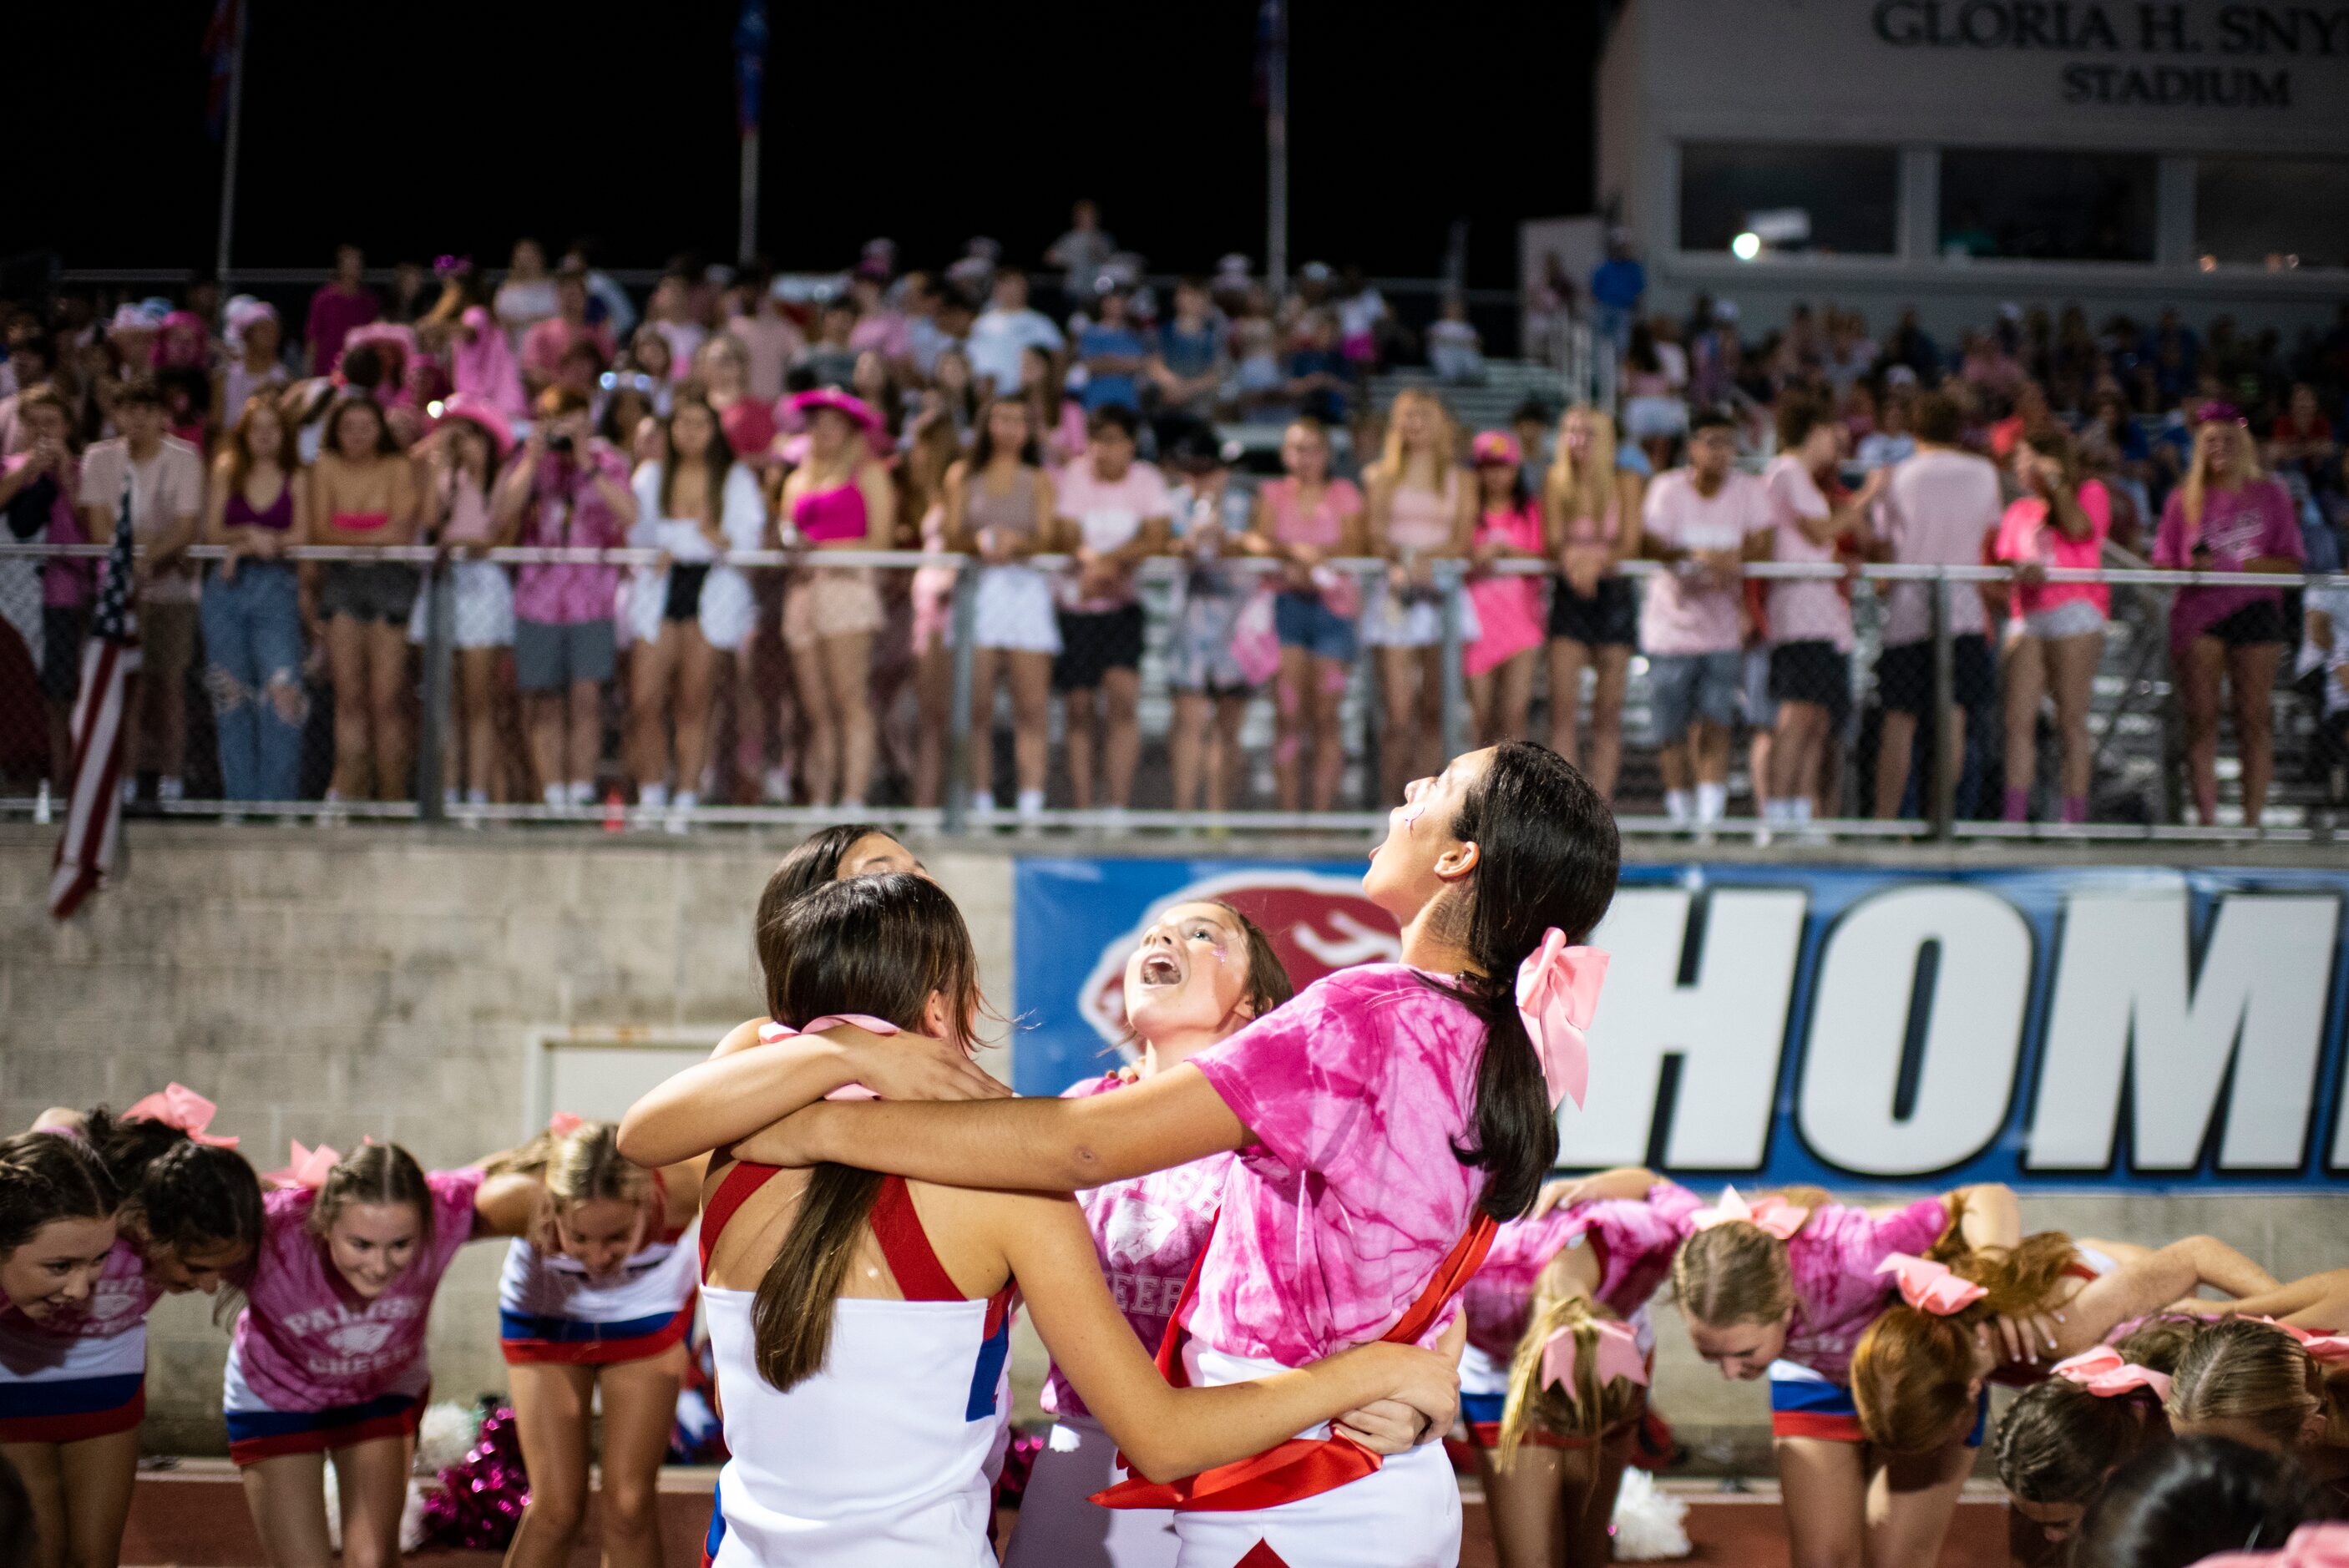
{"x": 882, "y": 946}
{"x": 176, "y": 1192}
{"x": 50, "y": 1176}
{"x": 1548, "y": 854}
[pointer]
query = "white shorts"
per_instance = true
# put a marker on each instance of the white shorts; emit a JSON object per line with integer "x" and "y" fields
{"x": 485, "y": 617}
{"x": 1407, "y": 621}
{"x": 1059, "y": 1524}
{"x": 2072, "y": 618}
{"x": 1014, "y": 610}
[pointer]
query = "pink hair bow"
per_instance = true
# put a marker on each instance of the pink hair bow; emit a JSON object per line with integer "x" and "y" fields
{"x": 563, "y": 1123}
{"x": 1558, "y": 993}
{"x": 176, "y": 1104}
{"x": 2322, "y": 1545}
{"x": 1618, "y": 1352}
{"x": 771, "y": 1031}
{"x": 2330, "y": 1348}
{"x": 1930, "y": 1287}
{"x": 2107, "y": 1375}
{"x": 308, "y": 1169}
{"x": 1772, "y": 1214}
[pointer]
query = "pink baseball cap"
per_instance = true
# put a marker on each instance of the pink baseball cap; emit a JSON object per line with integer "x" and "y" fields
{"x": 1496, "y": 447}
{"x": 486, "y": 417}
{"x": 857, "y": 409}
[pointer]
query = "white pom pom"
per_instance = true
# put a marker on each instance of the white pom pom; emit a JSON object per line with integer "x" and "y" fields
{"x": 333, "y": 1509}
{"x": 411, "y": 1519}
{"x": 447, "y": 1431}
{"x": 1647, "y": 1521}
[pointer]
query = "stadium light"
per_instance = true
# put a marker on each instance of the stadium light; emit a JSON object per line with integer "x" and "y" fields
{"x": 1746, "y": 246}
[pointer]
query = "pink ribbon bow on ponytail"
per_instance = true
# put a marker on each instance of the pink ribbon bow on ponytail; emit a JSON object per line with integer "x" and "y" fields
{"x": 308, "y": 1169}
{"x": 2330, "y": 1348}
{"x": 1557, "y": 994}
{"x": 2324, "y": 1545}
{"x": 563, "y": 1123}
{"x": 771, "y": 1031}
{"x": 1618, "y": 1354}
{"x": 176, "y": 1104}
{"x": 2105, "y": 1373}
{"x": 1930, "y": 1287}
{"x": 1772, "y": 1214}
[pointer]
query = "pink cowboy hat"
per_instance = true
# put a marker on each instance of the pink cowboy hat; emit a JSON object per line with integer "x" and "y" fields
{"x": 484, "y": 414}
{"x": 858, "y": 411}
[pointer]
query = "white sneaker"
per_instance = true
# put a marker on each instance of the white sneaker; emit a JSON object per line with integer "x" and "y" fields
{"x": 982, "y": 800}
{"x": 1032, "y": 804}
{"x": 168, "y": 790}
{"x": 775, "y": 789}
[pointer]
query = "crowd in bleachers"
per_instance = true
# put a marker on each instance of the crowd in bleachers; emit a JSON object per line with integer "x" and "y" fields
{"x": 944, "y": 412}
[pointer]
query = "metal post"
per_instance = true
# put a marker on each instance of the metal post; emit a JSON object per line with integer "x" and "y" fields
{"x": 1272, "y": 24}
{"x": 228, "y": 144}
{"x": 1945, "y": 757}
{"x": 749, "y": 245}
{"x": 959, "y": 725}
{"x": 1455, "y": 694}
{"x": 439, "y": 660}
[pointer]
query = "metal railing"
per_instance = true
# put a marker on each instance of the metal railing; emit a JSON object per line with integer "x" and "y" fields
{"x": 2133, "y": 729}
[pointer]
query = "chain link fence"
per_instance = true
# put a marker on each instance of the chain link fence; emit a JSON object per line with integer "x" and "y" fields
{"x": 1206, "y": 694}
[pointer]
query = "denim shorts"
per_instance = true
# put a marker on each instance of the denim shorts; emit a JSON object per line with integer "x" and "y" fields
{"x": 1303, "y": 620}
{"x": 1686, "y": 686}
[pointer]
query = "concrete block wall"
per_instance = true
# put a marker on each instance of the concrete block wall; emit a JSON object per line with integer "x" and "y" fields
{"x": 330, "y": 986}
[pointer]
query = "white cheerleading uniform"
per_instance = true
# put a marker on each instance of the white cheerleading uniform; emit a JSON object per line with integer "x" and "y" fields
{"x": 886, "y": 1454}
{"x": 551, "y": 1309}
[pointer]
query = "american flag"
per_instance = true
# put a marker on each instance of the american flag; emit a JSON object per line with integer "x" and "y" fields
{"x": 219, "y": 53}
{"x": 94, "y": 816}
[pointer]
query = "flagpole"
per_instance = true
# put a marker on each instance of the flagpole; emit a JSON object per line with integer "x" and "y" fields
{"x": 1274, "y": 22}
{"x": 750, "y": 85}
{"x": 228, "y": 148}
{"x": 749, "y": 231}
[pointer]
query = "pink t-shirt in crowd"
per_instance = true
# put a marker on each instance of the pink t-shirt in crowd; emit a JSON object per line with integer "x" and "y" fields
{"x": 1937, "y": 508}
{"x": 2026, "y": 533}
{"x": 545, "y": 344}
{"x": 1336, "y": 1218}
{"x": 1108, "y": 514}
{"x": 566, "y": 511}
{"x": 1679, "y": 613}
{"x": 1323, "y": 526}
{"x": 1809, "y": 610}
{"x": 2237, "y": 524}
{"x": 334, "y": 316}
{"x": 1149, "y": 1230}
{"x": 1837, "y": 1292}
{"x": 1509, "y": 606}
{"x": 1634, "y": 1241}
{"x": 305, "y": 1342}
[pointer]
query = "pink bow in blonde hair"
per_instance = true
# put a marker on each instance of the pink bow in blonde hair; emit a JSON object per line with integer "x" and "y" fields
{"x": 2330, "y": 1348}
{"x": 1617, "y": 1351}
{"x": 2107, "y": 1375}
{"x": 176, "y": 1104}
{"x": 1930, "y": 1287}
{"x": 308, "y": 1169}
{"x": 2323, "y": 1545}
{"x": 563, "y": 1123}
{"x": 772, "y": 1031}
{"x": 1557, "y": 994}
{"x": 1770, "y": 1213}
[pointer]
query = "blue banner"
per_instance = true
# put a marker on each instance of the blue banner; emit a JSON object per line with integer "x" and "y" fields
{"x": 2093, "y": 1026}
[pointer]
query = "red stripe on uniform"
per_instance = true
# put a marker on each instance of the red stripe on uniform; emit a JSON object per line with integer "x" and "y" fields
{"x": 79, "y": 1427}
{"x": 597, "y": 1352}
{"x": 320, "y": 1439}
{"x": 1826, "y": 1425}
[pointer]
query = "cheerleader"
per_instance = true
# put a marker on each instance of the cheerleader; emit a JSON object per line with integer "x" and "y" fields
{"x": 861, "y": 1323}
{"x": 1783, "y": 1287}
{"x": 1387, "y": 1120}
{"x": 73, "y": 1381}
{"x": 2272, "y": 1386}
{"x": 1605, "y": 1242}
{"x": 594, "y": 1307}
{"x": 1578, "y": 1393}
{"x": 2063, "y": 1439}
{"x": 328, "y": 1353}
{"x": 2005, "y": 1315}
{"x": 2319, "y": 1302}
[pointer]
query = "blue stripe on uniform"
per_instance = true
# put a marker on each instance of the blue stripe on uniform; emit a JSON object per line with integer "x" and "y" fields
{"x": 243, "y": 1426}
{"x": 1482, "y": 1408}
{"x": 988, "y": 1372}
{"x": 67, "y": 1395}
{"x": 715, "y": 1536}
{"x": 572, "y": 1331}
{"x": 1814, "y": 1399}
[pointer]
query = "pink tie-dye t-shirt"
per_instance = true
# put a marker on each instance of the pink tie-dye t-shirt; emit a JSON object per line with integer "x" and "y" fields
{"x": 1837, "y": 1292}
{"x": 305, "y": 1342}
{"x": 1633, "y": 1239}
{"x": 1335, "y": 1219}
{"x": 1149, "y": 1230}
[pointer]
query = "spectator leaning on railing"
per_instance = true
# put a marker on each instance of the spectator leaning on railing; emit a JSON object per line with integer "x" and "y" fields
{"x": 2057, "y": 637}
{"x": 1304, "y": 520}
{"x": 840, "y": 498}
{"x": 252, "y": 607}
{"x": 1592, "y": 507}
{"x": 1113, "y": 513}
{"x": 1000, "y": 506}
{"x": 363, "y": 493}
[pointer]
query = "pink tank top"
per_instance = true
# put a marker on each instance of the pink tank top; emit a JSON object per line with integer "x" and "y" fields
{"x": 1324, "y": 525}
{"x": 469, "y": 516}
{"x": 1595, "y": 530}
{"x": 1421, "y": 519}
{"x": 823, "y": 516}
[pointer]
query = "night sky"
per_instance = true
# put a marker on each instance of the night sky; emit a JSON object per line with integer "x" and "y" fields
{"x": 417, "y": 130}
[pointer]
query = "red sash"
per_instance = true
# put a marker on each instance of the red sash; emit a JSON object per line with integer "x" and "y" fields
{"x": 1300, "y": 1467}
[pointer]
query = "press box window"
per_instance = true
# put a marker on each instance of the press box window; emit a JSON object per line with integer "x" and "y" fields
{"x": 1841, "y": 199}
{"x": 2047, "y": 206}
{"x": 2274, "y": 213}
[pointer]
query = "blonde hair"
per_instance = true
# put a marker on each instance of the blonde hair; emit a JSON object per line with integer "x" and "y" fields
{"x": 1912, "y": 1372}
{"x": 2197, "y": 472}
{"x": 582, "y": 1164}
{"x": 1389, "y": 469}
{"x": 1591, "y": 1410}
{"x": 1590, "y": 492}
{"x": 2237, "y": 1369}
{"x": 1736, "y": 1272}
